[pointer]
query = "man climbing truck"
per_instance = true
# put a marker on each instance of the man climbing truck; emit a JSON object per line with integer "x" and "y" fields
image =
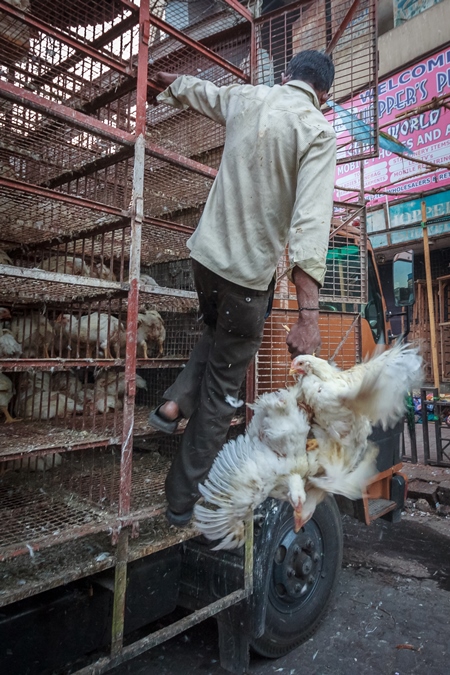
{"x": 279, "y": 152}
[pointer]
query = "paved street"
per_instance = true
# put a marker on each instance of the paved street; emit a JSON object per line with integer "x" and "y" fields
{"x": 391, "y": 612}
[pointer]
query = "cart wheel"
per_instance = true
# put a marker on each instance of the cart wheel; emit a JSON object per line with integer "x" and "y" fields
{"x": 304, "y": 573}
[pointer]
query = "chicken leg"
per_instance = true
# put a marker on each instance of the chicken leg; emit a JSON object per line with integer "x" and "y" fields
{"x": 144, "y": 349}
{"x": 8, "y": 418}
{"x": 107, "y": 352}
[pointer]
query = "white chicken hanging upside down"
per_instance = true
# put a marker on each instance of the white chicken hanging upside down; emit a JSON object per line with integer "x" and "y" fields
{"x": 275, "y": 457}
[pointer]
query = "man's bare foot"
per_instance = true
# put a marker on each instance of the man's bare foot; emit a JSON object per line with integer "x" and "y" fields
{"x": 169, "y": 411}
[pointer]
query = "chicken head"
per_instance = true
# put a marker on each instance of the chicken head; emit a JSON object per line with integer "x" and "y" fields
{"x": 297, "y": 497}
{"x": 5, "y": 314}
{"x": 301, "y": 365}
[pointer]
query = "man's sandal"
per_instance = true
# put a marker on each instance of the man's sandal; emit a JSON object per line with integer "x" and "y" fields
{"x": 179, "y": 519}
{"x": 161, "y": 423}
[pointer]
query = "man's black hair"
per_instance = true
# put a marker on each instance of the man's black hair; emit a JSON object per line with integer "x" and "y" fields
{"x": 313, "y": 67}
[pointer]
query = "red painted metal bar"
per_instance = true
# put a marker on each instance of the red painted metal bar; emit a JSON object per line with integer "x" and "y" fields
{"x": 46, "y": 193}
{"x": 64, "y": 113}
{"x": 185, "y": 39}
{"x": 179, "y": 160}
{"x": 240, "y": 9}
{"x": 169, "y": 225}
{"x": 73, "y": 533}
{"x": 134, "y": 267}
{"x": 168, "y": 292}
{"x": 253, "y": 54}
{"x": 130, "y": 5}
{"x": 118, "y": 66}
{"x": 198, "y": 46}
{"x": 337, "y": 36}
{"x": 85, "y": 122}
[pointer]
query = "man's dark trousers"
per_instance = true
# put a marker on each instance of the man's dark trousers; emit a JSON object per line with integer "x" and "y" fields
{"x": 209, "y": 384}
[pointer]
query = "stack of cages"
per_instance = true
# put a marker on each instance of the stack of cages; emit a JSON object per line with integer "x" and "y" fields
{"x": 347, "y": 31}
{"x": 99, "y": 191}
{"x": 67, "y": 125}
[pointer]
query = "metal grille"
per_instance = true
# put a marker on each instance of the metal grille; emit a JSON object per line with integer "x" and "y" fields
{"x": 70, "y": 60}
{"x": 78, "y": 496}
{"x": 313, "y": 25}
{"x": 32, "y": 517}
{"x": 28, "y": 218}
{"x": 346, "y": 273}
{"x": 170, "y": 189}
{"x": 341, "y": 341}
{"x": 187, "y": 133}
{"x": 50, "y": 153}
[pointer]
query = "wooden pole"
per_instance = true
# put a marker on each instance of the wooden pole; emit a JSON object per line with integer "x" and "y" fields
{"x": 426, "y": 253}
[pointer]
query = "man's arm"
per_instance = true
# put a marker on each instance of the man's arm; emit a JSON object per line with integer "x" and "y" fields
{"x": 186, "y": 91}
{"x": 165, "y": 79}
{"x": 304, "y": 336}
{"x": 308, "y": 240}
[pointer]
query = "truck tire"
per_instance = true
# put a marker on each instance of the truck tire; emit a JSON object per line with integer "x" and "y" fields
{"x": 303, "y": 575}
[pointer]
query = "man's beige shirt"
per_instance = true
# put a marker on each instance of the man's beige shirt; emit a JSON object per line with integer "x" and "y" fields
{"x": 274, "y": 184}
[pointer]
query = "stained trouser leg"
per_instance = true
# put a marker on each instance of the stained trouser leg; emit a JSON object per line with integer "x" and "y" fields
{"x": 238, "y": 336}
{"x": 185, "y": 391}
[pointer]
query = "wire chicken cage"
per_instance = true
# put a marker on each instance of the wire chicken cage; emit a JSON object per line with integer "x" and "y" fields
{"x": 99, "y": 191}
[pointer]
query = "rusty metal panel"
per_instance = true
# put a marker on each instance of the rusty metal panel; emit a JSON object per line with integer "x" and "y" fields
{"x": 340, "y": 333}
{"x": 313, "y": 25}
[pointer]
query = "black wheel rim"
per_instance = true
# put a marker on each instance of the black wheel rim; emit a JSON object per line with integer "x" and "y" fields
{"x": 297, "y": 567}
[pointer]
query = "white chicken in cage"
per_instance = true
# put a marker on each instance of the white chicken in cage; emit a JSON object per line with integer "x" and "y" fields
{"x": 110, "y": 389}
{"x": 5, "y": 259}
{"x": 34, "y": 333}
{"x": 102, "y": 271}
{"x": 39, "y": 398}
{"x": 115, "y": 383}
{"x": 46, "y": 405}
{"x": 6, "y": 394}
{"x": 148, "y": 280}
{"x": 9, "y": 347}
{"x": 70, "y": 265}
{"x": 150, "y": 331}
{"x": 69, "y": 384}
{"x": 92, "y": 330}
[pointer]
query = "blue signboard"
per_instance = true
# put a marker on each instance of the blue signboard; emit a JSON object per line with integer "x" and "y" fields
{"x": 410, "y": 213}
{"x": 407, "y": 213}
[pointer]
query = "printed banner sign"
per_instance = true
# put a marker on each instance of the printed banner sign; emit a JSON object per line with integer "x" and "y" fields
{"x": 427, "y": 134}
